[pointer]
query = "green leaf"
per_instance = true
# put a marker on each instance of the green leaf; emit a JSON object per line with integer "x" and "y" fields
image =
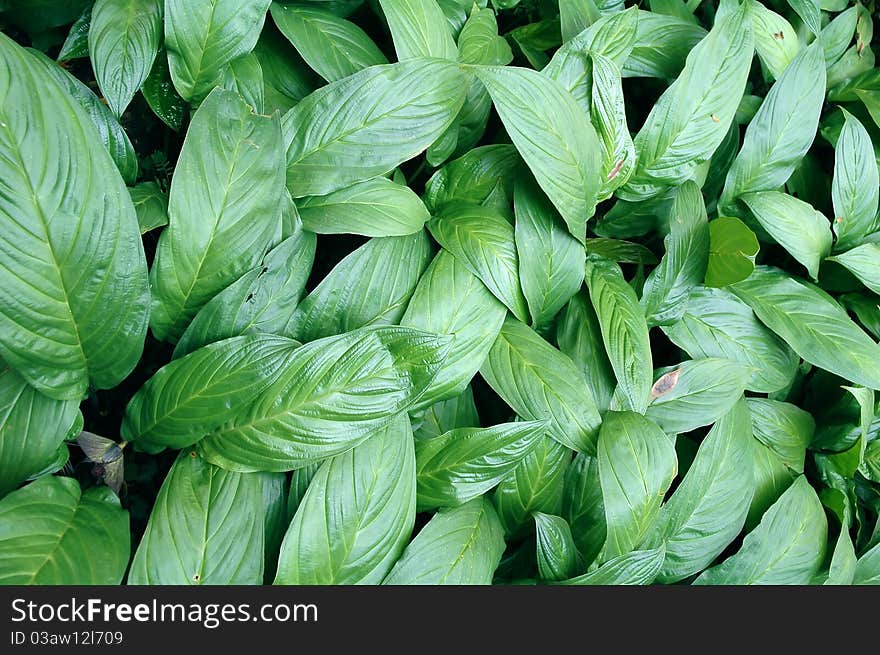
{"x": 467, "y": 462}
{"x": 450, "y": 300}
{"x": 331, "y": 395}
{"x": 809, "y": 12}
{"x": 637, "y": 463}
{"x": 793, "y": 224}
{"x": 474, "y": 176}
{"x": 484, "y": 242}
{"x": 696, "y": 393}
{"x": 554, "y": 137}
{"x": 868, "y": 568}
{"x": 580, "y": 337}
{"x": 540, "y": 382}
{"x": 110, "y": 131}
{"x": 275, "y": 521}
{"x": 76, "y": 45}
{"x": 813, "y": 324}
{"x": 837, "y": 35}
{"x": 608, "y": 114}
{"x": 261, "y": 300}
{"x": 551, "y": 261}
{"x": 287, "y": 79}
{"x": 558, "y": 558}
{"x": 124, "y": 38}
{"x": 787, "y": 547}
{"x": 244, "y": 75}
{"x": 160, "y": 94}
{"x": 190, "y": 396}
{"x": 863, "y": 262}
{"x": 458, "y": 546}
{"x": 783, "y": 129}
{"x": 445, "y": 415}
{"x": 203, "y": 37}
{"x": 419, "y": 29}
{"x": 32, "y": 427}
{"x": 683, "y": 267}
{"x": 223, "y": 209}
{"x": 332, "y": 46}
{"x": 150, "y": 205}
{"x": 52, "y": 533}
{"x": 843, "y": 561}
{"x": 732, "y": 251}
{"x": 300, "y": 479}
{"x": 716, "y": 323}
{"x": 479, "y": 42}
{"x": 73, "y": 308}
{"x": 709, "y": 507}
{"x": 206, "y": 528}
{"x": 855, "y": 188}
{"x": 691, "y": 118}
{"x": 622, "y": 252}
{"x": 371, "y": 286}
{"x": 638, "y": 567}
{"x": 375, "y": 208}
{"x": 776, "y": 42}
{"x": 383, "y": 106}
{"x": 582, "y": 506}
{"x": 624, "y": 330}
{"x": 357, "y": 515}
{"x": 534, "y": 485}
{"x": 661, "y": 45}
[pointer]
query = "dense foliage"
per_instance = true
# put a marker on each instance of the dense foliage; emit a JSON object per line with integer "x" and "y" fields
{"x": 568, "y": 292}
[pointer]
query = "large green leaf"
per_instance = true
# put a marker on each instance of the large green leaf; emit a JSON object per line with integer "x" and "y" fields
{"x": 868, "y": 568}
{"x": 112, "y": 134}
{"x": 474, "y": 176}
{"x": 540, "y": 382}
{"x": 32, "y": 428}
{"x": 639, "y": 567}
{"x": 582, "y": 506}
{"x": 557, "y": 555}
{"x": 661, "y": 44}
{"x": 375, "y": 208}
{"x": 683, "y": 266}
{"x": 484, "y": 242}
{"x": 815, "y": 326}
{"x": 332, "y": 394}
{"x": 223, "y": 211}
{"x": 334, "y": 47}
{"x": 637, "y": 463}
{"x": 534, "y": 485}
{"x": 51, "y": 533}
{"x": 691, "y": 118}
{"x": 451, "y": 300}
{"x": 776, "y": 42}
{"x": 195, "y": 394}
{"x": 732, "y": 251}
{"x": 467, "y": 462}
{"x": 863, "y": 262}
{"x": 445, "y": 415}
{"x": 855, "y": 189}
{"x": 787, "y": 547}
{"x": 709, "y": 507}
{"x": 124, "y": 38}
{"x": 371, "y": 286}
{"x": 207, "y": 527}
{"x": 357, "y": 514}
{"x": 203, "y": 37}
{"x": 624, "y": 330}
{"x": 261, "y": 300}
{"x": 551, "y": 261}
{"x": 479, "y": 43}
{"x": 554, "y": 137}
{"x": 397, "y": 110}
{"x": 718, "y": 324}
{"x": 74, "y": 296}
{"x": 458, "y": 546}
{"x": 696, "y": 393}
{"x": 608, "y": 114}
{"x": 419, "y": 29}
{"x": 783, "y": 129}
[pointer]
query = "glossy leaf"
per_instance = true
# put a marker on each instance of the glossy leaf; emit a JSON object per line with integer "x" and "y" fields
{"x": 356, "y": 516}
{"x": 558, "y": 558}
{"x": 863, "y": 262}
{"x": 638, "y": 567}
{"x": 732, "y": 251}
{"x": 50, "y": 532}
{"x": 855, "y": 189}
{"x": 582, "y": 506}
{"x": 73, "y": 286}
{"x": 419, "y": 29}
{"x": 206, "y": 528}
{"x": 539, "y": 382}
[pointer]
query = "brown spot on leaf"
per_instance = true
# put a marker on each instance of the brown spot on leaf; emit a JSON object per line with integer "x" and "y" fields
{"x": 665, "y": 383}
{"x": 779, "y": 36}
{"x": 192, "y": 453}
{"x": 614, "y": 171}
{"x": 715, "y": 118}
